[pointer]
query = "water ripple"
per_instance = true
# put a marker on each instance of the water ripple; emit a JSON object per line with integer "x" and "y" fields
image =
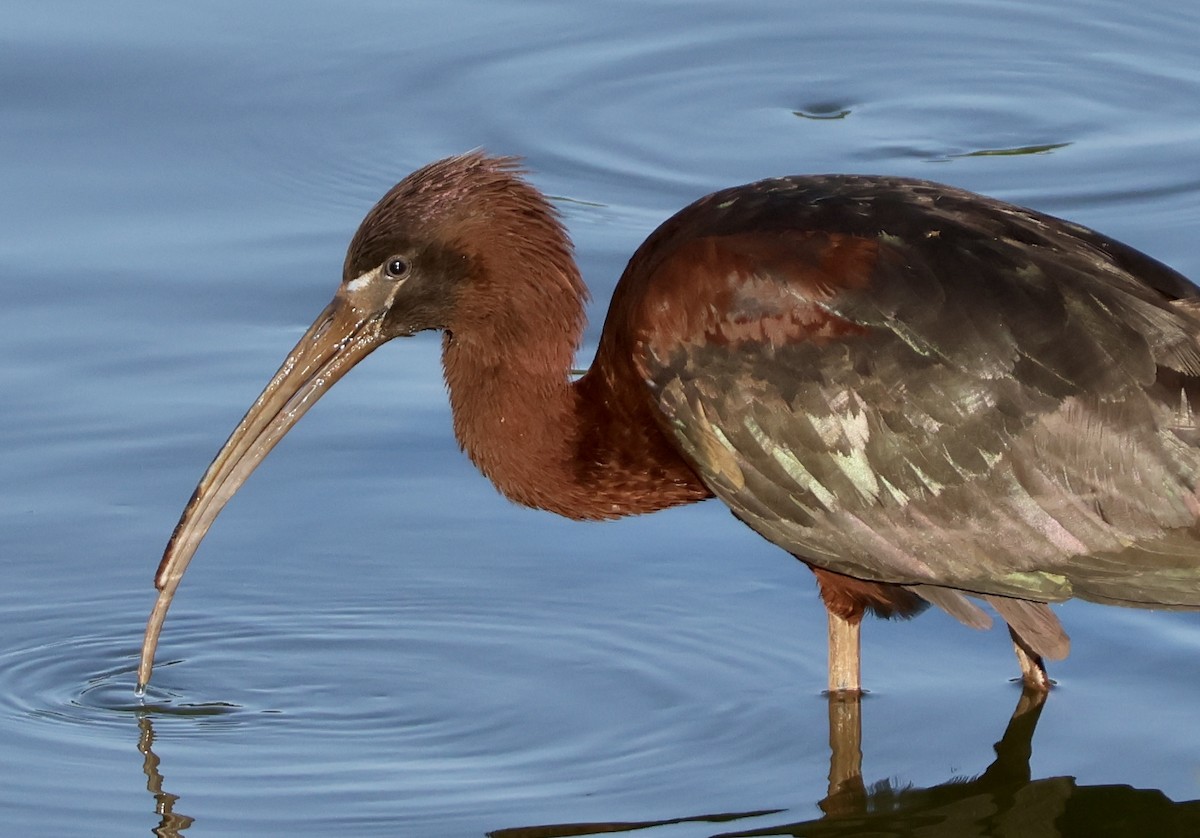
{"x": 53, "y": 683}
{"x": 457, "y": 674}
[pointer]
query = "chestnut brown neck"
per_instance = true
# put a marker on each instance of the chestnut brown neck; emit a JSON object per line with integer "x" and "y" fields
{"x": 588, "y": 449}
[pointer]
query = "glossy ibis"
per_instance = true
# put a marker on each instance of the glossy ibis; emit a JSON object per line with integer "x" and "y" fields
{"x": 928, "y": 396}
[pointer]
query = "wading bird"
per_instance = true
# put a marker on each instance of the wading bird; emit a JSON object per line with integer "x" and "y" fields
{"x": 927, "y": 396}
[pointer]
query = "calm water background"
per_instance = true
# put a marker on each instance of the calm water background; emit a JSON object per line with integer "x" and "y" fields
{"x": 371, "y": 641}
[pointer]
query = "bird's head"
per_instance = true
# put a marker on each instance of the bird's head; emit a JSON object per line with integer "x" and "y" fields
{"x": 449, "y": 247}
{"x": 455, "y": 241}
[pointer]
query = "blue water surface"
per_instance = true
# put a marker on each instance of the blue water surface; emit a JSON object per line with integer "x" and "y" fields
{"x": 371, "y": 640}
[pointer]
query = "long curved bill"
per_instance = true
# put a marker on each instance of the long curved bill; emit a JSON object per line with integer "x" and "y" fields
{"x": 344, "y": 334}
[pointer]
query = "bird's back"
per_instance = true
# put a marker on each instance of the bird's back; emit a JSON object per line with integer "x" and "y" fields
{"x": 909, "y": 383}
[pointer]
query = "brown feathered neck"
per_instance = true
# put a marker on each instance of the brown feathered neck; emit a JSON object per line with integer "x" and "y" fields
{"x": 589, "y": 449}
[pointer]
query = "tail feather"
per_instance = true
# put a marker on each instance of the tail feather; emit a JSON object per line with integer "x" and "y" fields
{"x": 954, "y": 603}
{"x": 1035, "y": 624}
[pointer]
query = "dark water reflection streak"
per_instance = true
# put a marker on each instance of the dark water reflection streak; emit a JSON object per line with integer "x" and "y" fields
{"x": 1003, "y": 801}
{"x": 172, "y": 823}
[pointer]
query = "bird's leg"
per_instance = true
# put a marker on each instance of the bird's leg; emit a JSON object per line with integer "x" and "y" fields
{"x": 1033, "y": 670}
{"x": 846, "y": 600}
{"x": 845, "y": 665}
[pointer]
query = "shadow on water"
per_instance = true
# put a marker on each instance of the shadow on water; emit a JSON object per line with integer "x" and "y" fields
{"x": 1004, "y": 800}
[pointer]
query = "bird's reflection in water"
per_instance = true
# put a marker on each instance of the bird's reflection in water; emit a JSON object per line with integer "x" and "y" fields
{"x": 1002, "y": 801}
{"x": 171, "y": 823}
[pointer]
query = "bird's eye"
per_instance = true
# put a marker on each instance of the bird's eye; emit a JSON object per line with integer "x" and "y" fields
{"x": 397, "y": 267}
